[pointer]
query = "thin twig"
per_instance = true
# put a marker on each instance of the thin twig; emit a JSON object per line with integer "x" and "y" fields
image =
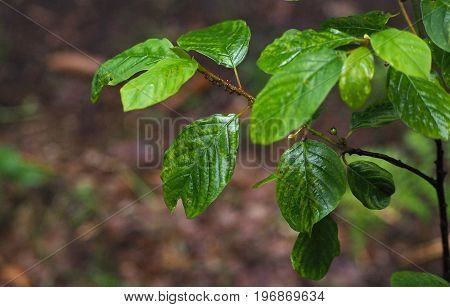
{"x": 393, "y": 161}
{"x": 357, "y": 151}
{"x": 406, "y": 16}
{"x": 216, "y": 80}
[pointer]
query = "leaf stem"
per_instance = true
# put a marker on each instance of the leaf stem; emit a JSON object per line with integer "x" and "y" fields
{"x": 242, "y": 112}
{"x": 216, "y": 80}
{"x": 406, "y": 16}
{"x": 238, "y": 80}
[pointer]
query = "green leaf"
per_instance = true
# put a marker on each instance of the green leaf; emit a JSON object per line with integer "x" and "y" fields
{"x": 359, "y": 25}
{"x": 200, "y": 162}
{"x": 374, "y": 116}
{"x": 161, "y": 81}
{"x": 421, "y": 104}
{"x": 312, "y": 254}
{"x": 226, "y": 43}
{"x": 436, "y": 19}
{"x": 268, "y": 179}
{"x": 417, "y": 279}
{"x": 292, "y": 43}
{"x": 310, "y": 183}
{"x": 357, "y": 72}
{"x": 442, "y": 59}
{"x": 292, "y": 96}
{"x": 371, "y": 184}
{"x": 404, "y": 51}
{"x": 124, "y": 65}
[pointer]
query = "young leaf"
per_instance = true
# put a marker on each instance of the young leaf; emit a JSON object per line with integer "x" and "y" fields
{"x": 421, "y": 104}
{"x": 160, "y": 82}
{"x": 359, "y": 25}
{"x": 200, "y": 162}
{"x": 226, "y": 43}
{"x": 436, "y": 18}
{"x": 310, "y": 183}
{"x": 292, "y": 96}
{"x": 404, "y": 51}
{"x": 442, "y": 59}
{"x": 268, "y": 179}
{"x": 124, "y": 65}
{"x": 357, "y": 72}
{"x": 374, "y": 116}
{"x": 312, "y": 254}
{"x": 371, "y": 184}
{"x": 292, "y": 43}
{"x": 417, "y": 279}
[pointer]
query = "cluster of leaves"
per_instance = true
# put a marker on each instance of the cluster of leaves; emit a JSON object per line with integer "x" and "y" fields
{"x": 303, "y": 66}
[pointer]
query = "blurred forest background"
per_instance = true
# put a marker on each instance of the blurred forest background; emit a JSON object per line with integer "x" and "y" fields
{"x": 70, "y": 188}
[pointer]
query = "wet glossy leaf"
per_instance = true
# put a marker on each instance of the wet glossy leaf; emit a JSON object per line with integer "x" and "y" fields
{"x": 310, "y": 183}
{"x": 200, "y": 162}
{"x": 404, "y": 51}
{"x": 374, "y": 116}
{"x": 226, "y": 43}
{"x": 421, "y": 104}
{"x": 126, "y": 64}
{"x": 313, "y": 253}
{"x": 436, "y": 19}
{"x": 370, "y": 184}
{"x": 356, "y": 75}
{"x": 417, "y": 279}
{"x": 292, "y": 43}
{"x": 358, "y": 25}
{"x": 160, "y": 82}
{"x": 293, "y": 95}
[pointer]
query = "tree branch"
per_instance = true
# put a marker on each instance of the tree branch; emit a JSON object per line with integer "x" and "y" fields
{"x": 216, "y": 80}
{"x": 440, "y": 190}
{"x": 393, "y": 161}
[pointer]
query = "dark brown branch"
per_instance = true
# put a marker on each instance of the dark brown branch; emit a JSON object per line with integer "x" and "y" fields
{"x": 398, "y": 163}
{"x": 440, "y": 190}
{"x": 216, "y": 80}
